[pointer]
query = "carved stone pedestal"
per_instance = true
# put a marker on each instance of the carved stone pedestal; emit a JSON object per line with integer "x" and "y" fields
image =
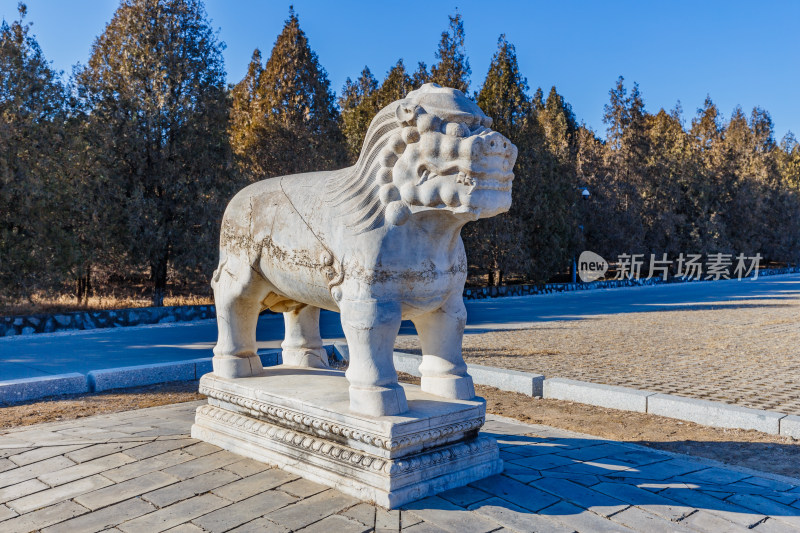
{"x": 299, "y": 420}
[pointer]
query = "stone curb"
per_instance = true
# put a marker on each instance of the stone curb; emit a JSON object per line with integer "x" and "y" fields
{"x": 499, "y": 378}
{"x": 714, "y": 413}
{"x": 20, "y": 390}
{"x": 108, "y": 318}
{"x": 622, "y": 398}
{"x": 704, "y": 412}
{"x": 790, "y": 426}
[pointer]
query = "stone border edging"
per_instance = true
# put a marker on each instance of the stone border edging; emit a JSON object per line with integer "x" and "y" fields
{"x": 107, "y": 318}
{"x": 716, "y": 414}
{"x": 21, "y": 390}
{"x": 112, "y": 318}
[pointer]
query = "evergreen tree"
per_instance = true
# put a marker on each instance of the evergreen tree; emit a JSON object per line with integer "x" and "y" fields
{"x": 34, "y": 251}
{"x": 357, "y": 110}
{"x": 452, "y": 68}
{"x": 293, "y": 125}
{"x": 154, "y": 89}
{"x": 394, "y": 87}
{"x": 497, "y": 245}
{"x": 626, "y": 152}
{"x": 361, "y": 101}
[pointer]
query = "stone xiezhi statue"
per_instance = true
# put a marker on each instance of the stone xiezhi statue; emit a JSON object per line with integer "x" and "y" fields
{"x": 378, "y": 242}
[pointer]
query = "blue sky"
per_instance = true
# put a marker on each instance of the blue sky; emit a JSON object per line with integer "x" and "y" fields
{"x": 745, "y": 53}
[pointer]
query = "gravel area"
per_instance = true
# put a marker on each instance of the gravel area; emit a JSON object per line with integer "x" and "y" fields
{"x": 744, "y": 352}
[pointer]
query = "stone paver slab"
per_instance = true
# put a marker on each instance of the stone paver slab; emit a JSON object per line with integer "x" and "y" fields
{"x": 201, "y": 465}
{"x": 513, "y": 491}
{"x": 12, "y": 492}
{"x": 363, "y": 512}
{"x": 303, "y": 488}
{"x": 43, "y": 517}
{"x": 189, "y": 487}
{"x": 95, "y": 451}
{"x": 45, "y": 452}
{"x": 578, "y": 519}
{"x": 246, "y": 487}
{"x": 337, "y": 523}
{"x": 104, "y": 518}
{"x": 244, "y": 511}
{"x": 649, "y": 501}
{"x": 311, "y": 510}
{"x": 583, "y": 497}
{"x": 640, "y": 520}
{"x": 261, "y": 525}
{"x": 24, "y": 473}
{"x": 57, "y": 494}
{"x": 724, "y": 509}
{"x": 124, "y": 490}
{"x": 445, "y": 515}
{"x": 387, "y": 520}
{"x": 145, "y": 466}
{"x": 95, "y": 466}
{"x": 247, "y": 467}
{"x": 516, "y": 518}
{"x": 174, "y": 515}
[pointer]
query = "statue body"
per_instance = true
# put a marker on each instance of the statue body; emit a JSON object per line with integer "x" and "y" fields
{"x": 378, "y": 242}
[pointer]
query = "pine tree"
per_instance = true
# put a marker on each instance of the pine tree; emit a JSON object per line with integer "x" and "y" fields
{"x": 154, "y": 89}
{"x": 293, "y": 122}
{"x": 625, "y": 159}
{"x": 497, "y": 245}
{"x": 34, "y": 248}
{"x": 452, "y": 68}
{"x": 361, "y": 101}
{"x": 357, "y": 110}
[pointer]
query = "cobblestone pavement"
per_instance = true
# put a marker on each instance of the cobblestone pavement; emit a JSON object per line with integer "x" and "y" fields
{"x": 728, "y": 341}
{"x": 139, "y": 471}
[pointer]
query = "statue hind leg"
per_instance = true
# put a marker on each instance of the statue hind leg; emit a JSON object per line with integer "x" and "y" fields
{"x": 238, "y": 292}
{"x": 444, "y": 372}
{"x": 303, "y": 343}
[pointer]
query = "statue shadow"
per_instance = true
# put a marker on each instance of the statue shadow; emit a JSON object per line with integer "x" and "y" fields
{"x": 558, "y": 480}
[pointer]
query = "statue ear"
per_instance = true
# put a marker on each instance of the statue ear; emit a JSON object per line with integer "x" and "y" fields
{"x": 407, "y": 114}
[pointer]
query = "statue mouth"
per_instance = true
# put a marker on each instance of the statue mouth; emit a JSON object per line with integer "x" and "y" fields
{"x": 490, "y": 179}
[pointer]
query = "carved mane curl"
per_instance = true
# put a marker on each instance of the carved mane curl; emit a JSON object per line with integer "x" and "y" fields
{"x": 355, "y": 190}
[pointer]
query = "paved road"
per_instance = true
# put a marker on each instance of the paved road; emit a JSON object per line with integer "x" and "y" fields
{"x": 140, "y": 471}
{"x": 82, "y": 351}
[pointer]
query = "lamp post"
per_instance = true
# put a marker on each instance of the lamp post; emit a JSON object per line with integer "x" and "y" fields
{"x": 585, "y": 194}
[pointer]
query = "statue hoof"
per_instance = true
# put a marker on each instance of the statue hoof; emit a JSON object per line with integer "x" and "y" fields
{"x": 237, "y": 366}
{"x": 378, "y": 401}
{"x": 453, "y": 387}
{"x": 305, "y": 357}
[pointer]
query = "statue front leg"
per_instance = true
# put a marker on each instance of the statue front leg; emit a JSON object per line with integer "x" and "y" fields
{"x": 238, "y": 292}
{"x": 303, "y": 344}
{"x": 371, "y": 329}
{"x": 444, "y": 372}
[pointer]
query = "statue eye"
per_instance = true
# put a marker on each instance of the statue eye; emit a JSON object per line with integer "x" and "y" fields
{"x": 457, "y": 129}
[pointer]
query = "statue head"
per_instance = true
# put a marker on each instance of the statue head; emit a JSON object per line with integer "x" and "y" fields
{"x": 433, "y": 150}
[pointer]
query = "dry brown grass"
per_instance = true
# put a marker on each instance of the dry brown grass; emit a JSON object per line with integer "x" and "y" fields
{"x": 39, "y": 304}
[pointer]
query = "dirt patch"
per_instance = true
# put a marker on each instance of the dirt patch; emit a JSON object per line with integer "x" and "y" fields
{"x": 70, "y": 407}
{"x": 751, "y": 449}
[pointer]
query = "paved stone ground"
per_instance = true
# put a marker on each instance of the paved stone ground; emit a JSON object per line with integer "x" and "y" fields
{"x": 729, "y": 341}
{"x": 139, "y": 471}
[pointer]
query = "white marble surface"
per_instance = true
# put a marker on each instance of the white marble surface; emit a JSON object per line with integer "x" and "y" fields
{"x": 299, "y": 419}
{"x": 378, "y": 242}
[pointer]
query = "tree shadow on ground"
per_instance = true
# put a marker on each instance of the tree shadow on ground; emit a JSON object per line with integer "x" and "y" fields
{"x": 557, "y": 479}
